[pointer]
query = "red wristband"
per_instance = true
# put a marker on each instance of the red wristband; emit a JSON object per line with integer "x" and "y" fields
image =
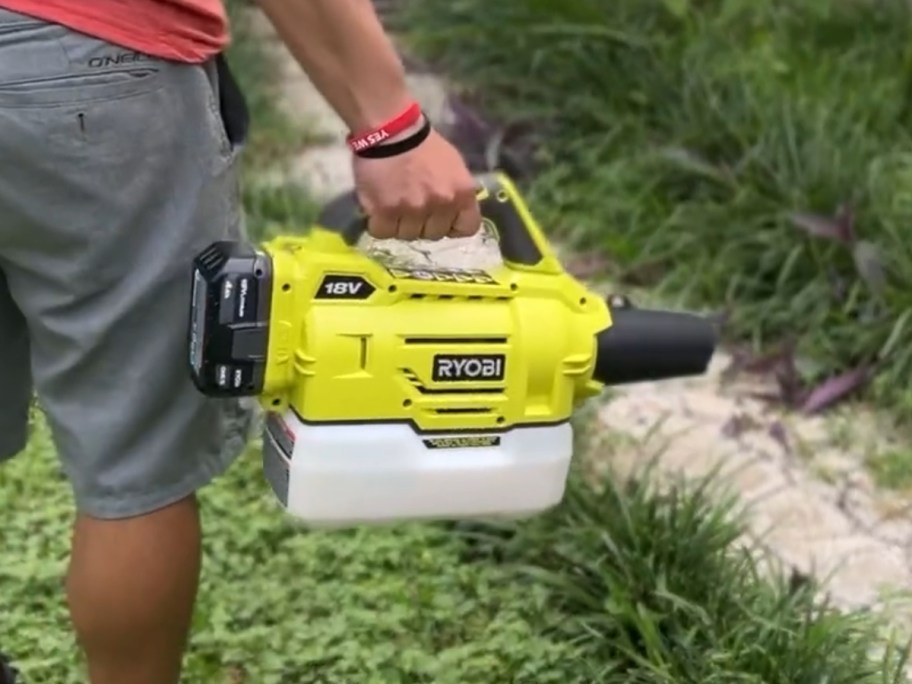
{"x": 408, "y": 118}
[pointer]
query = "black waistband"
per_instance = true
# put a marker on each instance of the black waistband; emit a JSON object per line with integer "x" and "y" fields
{"x": 232, "y": 103}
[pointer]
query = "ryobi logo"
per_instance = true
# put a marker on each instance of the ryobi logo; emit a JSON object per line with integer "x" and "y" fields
{"x": 457, "y": 367}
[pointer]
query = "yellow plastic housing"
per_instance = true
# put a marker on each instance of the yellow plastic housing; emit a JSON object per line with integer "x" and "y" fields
{"x": 342, "y": 352}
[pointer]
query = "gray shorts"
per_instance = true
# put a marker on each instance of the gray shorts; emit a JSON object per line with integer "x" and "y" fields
{"x": 115, "y": 169}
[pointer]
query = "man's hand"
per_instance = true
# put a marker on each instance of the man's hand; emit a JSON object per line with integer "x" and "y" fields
{"x": 425, "y": 193}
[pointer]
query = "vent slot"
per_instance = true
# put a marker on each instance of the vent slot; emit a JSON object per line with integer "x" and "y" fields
{"x": 452, "y": 411}
{"x": 363, "y": 350}
{"x": 485, "y": 390}
{"x": 412, "y": 377}
{"x": 212, "y": 258}
{"x": 455, "y": 340}
{"x": 450, "y": 297}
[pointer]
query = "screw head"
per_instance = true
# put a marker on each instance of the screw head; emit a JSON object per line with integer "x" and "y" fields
{"x": 619, "y": 301}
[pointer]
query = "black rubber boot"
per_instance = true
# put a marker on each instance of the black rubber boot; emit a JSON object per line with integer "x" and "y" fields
{"x": 8, "y": 673}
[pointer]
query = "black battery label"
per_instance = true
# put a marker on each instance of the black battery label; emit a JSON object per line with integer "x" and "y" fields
{"x": 227, "y": 300}
{"x": 233, "y": 376}
{"x": 246, "y": 300}
{"x": 238, "y": 299}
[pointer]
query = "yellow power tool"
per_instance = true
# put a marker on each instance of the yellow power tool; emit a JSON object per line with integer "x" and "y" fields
{"x": 394, "y": 394}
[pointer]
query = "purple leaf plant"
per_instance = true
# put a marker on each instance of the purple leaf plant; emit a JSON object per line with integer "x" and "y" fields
{"x": 488, "y": 145}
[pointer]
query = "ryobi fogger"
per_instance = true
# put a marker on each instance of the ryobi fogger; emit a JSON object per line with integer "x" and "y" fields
{"x": 414, "y": 394}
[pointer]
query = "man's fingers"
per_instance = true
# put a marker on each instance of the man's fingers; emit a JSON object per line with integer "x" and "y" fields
{"x": 410, "y": 226}
{"x": 432, "y": 216}
{"x": 382, "y": 226}
{"x": 467, "y": 223}
{"x": 439, "y": 224}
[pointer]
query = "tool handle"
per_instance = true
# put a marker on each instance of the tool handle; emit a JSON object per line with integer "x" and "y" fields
{"x": 343, "y": 215}
{"x": 521, "y": 242}
{"x": 519, "y": 238}
{"x": 642, "y": 345}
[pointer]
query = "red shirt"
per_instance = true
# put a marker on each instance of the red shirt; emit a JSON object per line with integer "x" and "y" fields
{"x": 180, "y": 30}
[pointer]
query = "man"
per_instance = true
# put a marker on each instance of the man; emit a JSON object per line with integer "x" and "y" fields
{"x": 118, "y": 162}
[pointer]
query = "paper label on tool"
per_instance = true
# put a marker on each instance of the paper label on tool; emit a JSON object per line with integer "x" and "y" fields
{"x": 462, "y": 442}
{"x": 448, "y": 275}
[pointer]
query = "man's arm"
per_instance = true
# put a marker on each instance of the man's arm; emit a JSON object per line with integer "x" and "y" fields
{"x": 343, "y": 47}
{"x": 426, "y": 192}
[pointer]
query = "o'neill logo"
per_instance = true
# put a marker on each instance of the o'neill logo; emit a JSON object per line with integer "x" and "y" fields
{"x": 460, "y": 367}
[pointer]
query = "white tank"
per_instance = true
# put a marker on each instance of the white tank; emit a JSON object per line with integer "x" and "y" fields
{"x": 331, "y": 476}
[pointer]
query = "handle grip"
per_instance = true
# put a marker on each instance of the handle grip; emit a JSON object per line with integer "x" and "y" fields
{"x": 520, "y": 240}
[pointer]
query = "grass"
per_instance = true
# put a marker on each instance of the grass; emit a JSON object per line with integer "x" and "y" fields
{"x": 892, "y": 469}
{"x": 681, "y": 137}
{"x": 281, "y": 606}
{"x": 620, "y": 584}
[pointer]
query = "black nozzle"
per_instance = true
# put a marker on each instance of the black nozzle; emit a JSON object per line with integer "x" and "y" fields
{"x": 646, "y": 345}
